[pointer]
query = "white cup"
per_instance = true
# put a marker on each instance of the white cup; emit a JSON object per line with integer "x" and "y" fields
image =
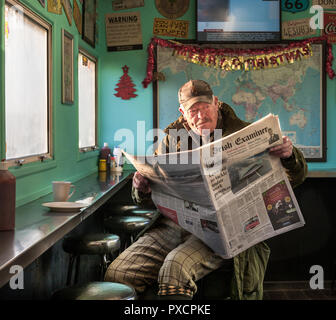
{"x": 61, "y": 190}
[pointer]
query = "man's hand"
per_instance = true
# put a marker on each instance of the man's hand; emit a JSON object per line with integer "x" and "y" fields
{"x": 283, "y": 150}
{"x": 141, "y": 183}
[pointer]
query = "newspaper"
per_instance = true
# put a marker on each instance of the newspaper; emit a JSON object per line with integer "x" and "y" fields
{"x": 231, "y": 193}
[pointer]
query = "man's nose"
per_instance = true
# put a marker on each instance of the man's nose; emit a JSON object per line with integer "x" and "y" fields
{"x": 200, "y": 114}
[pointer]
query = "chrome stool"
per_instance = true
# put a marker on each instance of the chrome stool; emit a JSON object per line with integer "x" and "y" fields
{"x": 147, "y": 213}
{"x": 91, "y": 244}
{"x": 127, "y": 227}
{"x": 96, "y": 291}
{"x": 130, "y": 210}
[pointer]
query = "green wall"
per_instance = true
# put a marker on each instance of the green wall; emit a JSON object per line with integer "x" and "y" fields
{"x": 34, "y": 180}
{"x": 115, "y": 112}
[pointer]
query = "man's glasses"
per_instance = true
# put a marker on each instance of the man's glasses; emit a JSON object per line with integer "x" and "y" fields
{"x": 193, "y": 111}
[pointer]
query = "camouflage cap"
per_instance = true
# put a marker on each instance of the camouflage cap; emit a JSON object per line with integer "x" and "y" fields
{"x": 194, "y": 91}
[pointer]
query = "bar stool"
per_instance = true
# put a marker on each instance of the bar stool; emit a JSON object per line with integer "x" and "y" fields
{"x": 130, "y": 210}
{"x": 127, "y": 227}
{"x": 96, "y": 291}
{"x": 147, "y": 213}
{"x": 91, "y": 244}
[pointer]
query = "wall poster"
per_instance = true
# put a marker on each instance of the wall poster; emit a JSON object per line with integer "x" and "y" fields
{"x": 255, "y": 93}
{"x": 123, "y": 31}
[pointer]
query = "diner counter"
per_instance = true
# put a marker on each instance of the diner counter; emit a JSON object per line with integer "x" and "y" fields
{"x": 37, "y": 228}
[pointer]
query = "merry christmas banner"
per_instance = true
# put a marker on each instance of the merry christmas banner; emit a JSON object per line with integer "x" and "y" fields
{"x": 232, "y": 59}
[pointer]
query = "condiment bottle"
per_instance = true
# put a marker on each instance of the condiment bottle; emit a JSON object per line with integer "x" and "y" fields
{"x": 102, "y": 165}
{"x": 7, "y": 198}
{"x": 104, "y": 151}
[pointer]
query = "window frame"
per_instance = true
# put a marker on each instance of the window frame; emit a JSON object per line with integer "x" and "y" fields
{"x": 95, "y": 60}
{"x": 41, "y": 22}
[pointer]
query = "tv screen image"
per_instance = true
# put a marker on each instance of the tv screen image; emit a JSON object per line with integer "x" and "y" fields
{"x": 238, "y": 20}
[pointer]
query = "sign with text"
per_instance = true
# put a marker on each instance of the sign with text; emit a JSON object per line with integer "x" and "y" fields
{"x": 330, "y": 26}
{"x": 126, "y": 4}
{"x": 297, "y": 28}
{"x": 123, "y": 31}
{"x": 294, "y": 5}
{"x": 325, "y": 4}
{"x": 171, "y": 28}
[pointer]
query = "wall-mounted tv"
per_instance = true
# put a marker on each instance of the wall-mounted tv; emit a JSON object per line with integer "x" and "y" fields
{"x": 238, "y": 20}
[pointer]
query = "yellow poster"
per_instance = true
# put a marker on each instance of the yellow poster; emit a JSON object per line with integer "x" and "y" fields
{"x": 171, "y": 28}
{"x": 55, "y": 6}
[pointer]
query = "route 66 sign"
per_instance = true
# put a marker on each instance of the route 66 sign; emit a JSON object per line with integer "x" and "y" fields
{"x": 172, "y": 9}
{"x": 294, "y": 5}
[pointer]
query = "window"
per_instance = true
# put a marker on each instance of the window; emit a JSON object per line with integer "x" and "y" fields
{"x": 87, "y": 101}
{"x": 27, "y": 84}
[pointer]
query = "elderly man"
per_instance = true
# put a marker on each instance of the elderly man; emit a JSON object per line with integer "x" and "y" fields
{"x": 167, "y": 255}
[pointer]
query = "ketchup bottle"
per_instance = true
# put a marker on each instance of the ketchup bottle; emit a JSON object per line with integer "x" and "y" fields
{"x": 104, "y": 152}
{"x": 7, "y": 198}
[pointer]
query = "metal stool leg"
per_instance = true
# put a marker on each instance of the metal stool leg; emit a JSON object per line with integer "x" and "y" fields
{"x": 103, "y": 267}
{"x": 71, "y": 262}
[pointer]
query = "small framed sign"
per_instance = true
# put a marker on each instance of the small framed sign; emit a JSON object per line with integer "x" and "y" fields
{"x": 67, "y": 68}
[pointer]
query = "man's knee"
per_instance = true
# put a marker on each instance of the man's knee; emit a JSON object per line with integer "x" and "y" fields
{"x": 176, "y": 265}
{"x": 115, "y": 272}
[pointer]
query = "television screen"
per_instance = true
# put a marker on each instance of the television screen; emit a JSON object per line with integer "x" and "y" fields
{"x": 238, "y": 20}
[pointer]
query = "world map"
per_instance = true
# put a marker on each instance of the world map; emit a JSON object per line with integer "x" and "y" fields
{"x": 292, "y": 91}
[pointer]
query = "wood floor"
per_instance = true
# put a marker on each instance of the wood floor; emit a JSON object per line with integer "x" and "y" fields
{"x": 297, "y": 291}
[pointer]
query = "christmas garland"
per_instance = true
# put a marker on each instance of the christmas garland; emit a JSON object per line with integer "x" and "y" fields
{"x": 229, "y": 59}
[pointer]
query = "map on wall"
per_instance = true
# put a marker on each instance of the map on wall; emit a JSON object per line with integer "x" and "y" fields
{"x": 292, "y": 91}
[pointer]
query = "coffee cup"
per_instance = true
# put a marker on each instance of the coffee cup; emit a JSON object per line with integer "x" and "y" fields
{"x": 61, "y": 190}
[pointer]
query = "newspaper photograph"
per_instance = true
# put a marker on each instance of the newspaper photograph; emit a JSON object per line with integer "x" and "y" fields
{"x": 231, "y": 193}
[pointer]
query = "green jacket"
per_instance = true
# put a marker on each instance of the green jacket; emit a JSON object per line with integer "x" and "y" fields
{"x": 250, "y": 265}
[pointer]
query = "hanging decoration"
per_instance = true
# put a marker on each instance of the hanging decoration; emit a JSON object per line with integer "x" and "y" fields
{"x": 229, "y": 59}
{"x": 125, "y": 86}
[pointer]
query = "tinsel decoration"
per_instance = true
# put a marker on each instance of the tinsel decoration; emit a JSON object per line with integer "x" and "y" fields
{"x": 229, "y": 59}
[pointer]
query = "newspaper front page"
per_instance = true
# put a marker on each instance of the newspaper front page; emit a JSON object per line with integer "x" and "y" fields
{"x": 230, "y": 193}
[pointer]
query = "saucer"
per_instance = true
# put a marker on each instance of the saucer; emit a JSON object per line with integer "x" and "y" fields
{"x": 64, "y": 206}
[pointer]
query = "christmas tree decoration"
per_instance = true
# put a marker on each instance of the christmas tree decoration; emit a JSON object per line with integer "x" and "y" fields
{"x": 125, "y": 86}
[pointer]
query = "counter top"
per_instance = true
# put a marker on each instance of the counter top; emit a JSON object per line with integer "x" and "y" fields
{"x": 37, "y": 228}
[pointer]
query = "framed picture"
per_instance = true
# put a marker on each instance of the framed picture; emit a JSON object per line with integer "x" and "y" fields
{"x": 42, "y": 2}
{"x": 67, "y": 68}
{"x": 254, "y": 93}
{"x": 89, "y": 21}
{"x": 68, "y": 10}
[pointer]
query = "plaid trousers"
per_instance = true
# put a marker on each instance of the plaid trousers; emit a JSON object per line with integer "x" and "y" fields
{"x": 166, "y": 255}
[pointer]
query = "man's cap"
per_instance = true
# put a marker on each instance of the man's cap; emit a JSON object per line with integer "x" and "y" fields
{"x": 194, "y": 91}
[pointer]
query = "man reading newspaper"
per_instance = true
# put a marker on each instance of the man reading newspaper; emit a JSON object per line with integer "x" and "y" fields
{"x": 168, "y": 256}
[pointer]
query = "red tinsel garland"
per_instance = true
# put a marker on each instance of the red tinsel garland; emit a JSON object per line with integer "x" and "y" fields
{"x": 189, "y": 51}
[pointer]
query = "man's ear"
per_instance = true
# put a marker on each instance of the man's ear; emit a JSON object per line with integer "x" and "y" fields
{"x": 215, "y": 101}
